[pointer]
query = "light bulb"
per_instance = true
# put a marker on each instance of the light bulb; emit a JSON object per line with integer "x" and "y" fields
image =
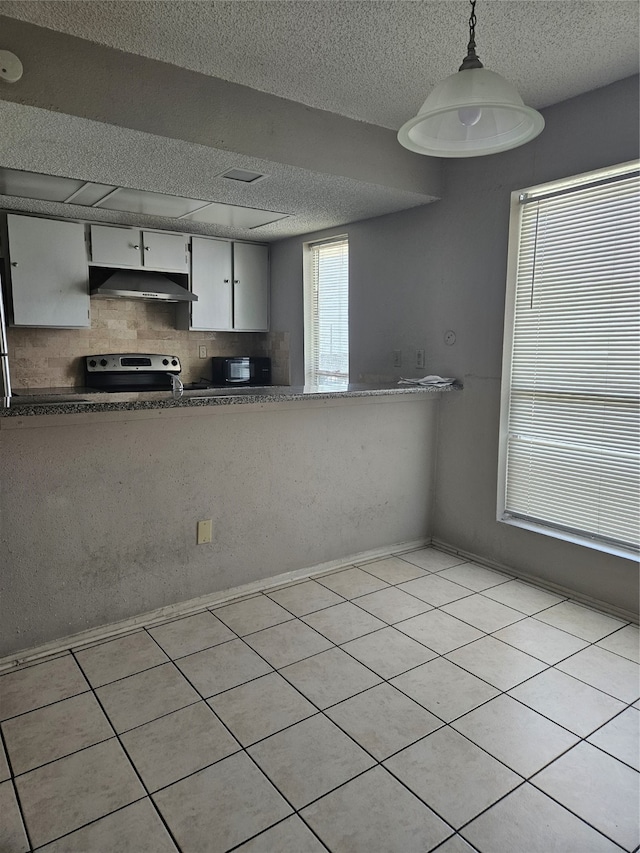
{"x": 468, "y": 116}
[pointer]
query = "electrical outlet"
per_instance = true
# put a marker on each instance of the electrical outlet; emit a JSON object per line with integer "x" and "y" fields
{"x": 205, "y": 531}
{"x": 397, "y": 358}
{"x": 202, "y": 352}
{"x": 420, "y": 358}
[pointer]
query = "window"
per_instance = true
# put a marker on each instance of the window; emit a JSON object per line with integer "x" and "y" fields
{"x": 327, "y": 315}
{"x": 569, "y": 448}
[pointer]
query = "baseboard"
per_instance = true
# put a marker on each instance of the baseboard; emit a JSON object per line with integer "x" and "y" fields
{"x": 185, "y": 608}
{"x": 535, "y": 580}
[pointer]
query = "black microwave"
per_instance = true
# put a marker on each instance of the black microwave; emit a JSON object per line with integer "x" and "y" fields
{"x": 241, "y": 370}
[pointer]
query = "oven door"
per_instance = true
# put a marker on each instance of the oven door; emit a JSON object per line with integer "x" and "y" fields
{"x": 128, "y": 381}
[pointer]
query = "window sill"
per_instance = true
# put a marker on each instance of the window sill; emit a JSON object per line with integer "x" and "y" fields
{"x": 595, "y": 544}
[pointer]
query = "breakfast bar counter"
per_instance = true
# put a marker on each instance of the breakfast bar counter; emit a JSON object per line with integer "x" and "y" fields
{"x": 59, "y": 401}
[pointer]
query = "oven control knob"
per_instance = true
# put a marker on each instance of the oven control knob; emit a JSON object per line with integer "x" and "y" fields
{"x": 92, "y": 363}
{"x": 165, "y": 361}
{"x": 174, "y": 363}
{"x": 103, "y": 362}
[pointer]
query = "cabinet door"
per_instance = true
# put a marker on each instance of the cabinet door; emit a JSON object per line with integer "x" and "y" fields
{"x": 250, "y": 287}
{"x": 116, "y": 247}
{"x": 165, "y": 251}
{"x": 211, "y": 282}
{"x": 49, "y": 274}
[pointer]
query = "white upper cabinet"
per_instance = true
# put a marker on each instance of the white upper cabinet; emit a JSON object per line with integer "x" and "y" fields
{"x": 211, "y": 282}
{"x": 131, "y": 248}
{"x": 164, "y": 251}
{"x": 231, "y": 281}
{"x": 250, "y": 287}
{"x": 49, "y": 275}
{"x": 49, "y": 272}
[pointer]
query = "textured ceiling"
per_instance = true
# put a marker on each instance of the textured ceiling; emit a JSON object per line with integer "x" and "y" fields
{"x": 370, "y": 61}
{"x": 373, "y": 61}
{"x": 116, "y": 155}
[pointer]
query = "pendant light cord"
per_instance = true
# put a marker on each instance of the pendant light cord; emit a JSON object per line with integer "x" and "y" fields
{"x": 471, "y": 60}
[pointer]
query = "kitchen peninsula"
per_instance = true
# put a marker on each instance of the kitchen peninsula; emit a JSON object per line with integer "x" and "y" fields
{"x": 111, "y": 493}
{"x": 69, "y": 401}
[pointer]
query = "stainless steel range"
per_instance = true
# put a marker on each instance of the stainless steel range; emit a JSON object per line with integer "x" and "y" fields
{"x": 133, "y": 371}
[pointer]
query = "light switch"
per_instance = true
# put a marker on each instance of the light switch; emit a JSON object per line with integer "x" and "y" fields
{"x": 205, "y": 531}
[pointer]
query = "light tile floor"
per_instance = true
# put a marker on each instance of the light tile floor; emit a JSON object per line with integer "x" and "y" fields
{"x": 414, "y": 703}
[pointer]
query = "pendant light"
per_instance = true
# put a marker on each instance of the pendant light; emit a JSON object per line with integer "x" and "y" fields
{"x": 471, "y": 113}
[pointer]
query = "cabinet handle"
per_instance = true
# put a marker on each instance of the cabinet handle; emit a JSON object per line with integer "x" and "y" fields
{"x": 226, "y": 281}
{"x": 146, "y": 248}
{"x": 236, "y": 281}
{"x": 135, "y": 247}
{"x": 14, "y": 263}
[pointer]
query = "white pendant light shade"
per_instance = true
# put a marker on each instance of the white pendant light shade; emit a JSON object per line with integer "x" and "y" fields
{"x": 469, "y": 114}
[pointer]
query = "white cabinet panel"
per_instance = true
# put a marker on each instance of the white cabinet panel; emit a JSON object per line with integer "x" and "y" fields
{"x": 250, "y": 287}
{"x": 231, "y": 281}
{"x": 49, "y": 275}
{"x": 211, "y": 282}
{"x": 115, "y": 247}
{"x": 166, "y": 252}
{"x": 134, "y": 249}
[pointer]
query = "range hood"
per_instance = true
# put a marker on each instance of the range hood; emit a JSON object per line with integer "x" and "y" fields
{"x": 138, "y": 284}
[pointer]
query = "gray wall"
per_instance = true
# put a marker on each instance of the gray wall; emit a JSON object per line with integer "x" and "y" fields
{"x": 416, "y": 274}
{"x": 98, "y": 512}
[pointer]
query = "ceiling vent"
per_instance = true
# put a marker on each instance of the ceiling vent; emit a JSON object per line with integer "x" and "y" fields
{"x": 242, "y": 175}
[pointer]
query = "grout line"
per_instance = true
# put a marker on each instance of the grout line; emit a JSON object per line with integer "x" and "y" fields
{"x": 122, "y": 677}
{"x": 90, "y": 823}
{"x": 544, "y": 793}
{"x": 61, "y": 757}
{"x": 584, "y": 639}
{"x": 243, "y": 750}
{"x": 584, "y": 820}
{"x": 262, "y": 832}
{"x": 14, "y": 787}
{"x": 132, "y": 765}
{"x": 377, "y": 763}
{"x": 322, "y": 711}
{"x": 83, "y": 749}
{"x": 135, "y": 769}
{"x": 440, "y": 847}
{"x": 47, "y": 705}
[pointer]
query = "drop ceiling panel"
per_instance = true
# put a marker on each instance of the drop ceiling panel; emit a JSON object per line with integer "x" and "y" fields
{"x": 90, "y": 194}
{"x": 149, "y": 203}
{"x": 32, "y": 185}
{"x": 233, "y": 216}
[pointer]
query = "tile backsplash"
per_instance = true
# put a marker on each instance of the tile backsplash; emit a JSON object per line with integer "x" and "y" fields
{"x": 50, "y": 358}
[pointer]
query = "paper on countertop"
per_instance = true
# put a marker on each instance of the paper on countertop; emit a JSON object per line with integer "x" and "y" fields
{"x": 438, "y": 381}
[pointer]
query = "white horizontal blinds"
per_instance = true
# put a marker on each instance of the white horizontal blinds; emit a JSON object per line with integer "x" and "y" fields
{"x": 330, "y": 313}
{"x": 573, "y": 428}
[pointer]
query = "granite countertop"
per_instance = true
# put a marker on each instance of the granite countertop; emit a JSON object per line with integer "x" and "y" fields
{"x": 56, "y": 401}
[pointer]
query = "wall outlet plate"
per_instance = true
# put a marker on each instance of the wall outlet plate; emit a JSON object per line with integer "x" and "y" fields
{"x": 420, "y": 358}
{"x": 397, "y": 358}
{"x": 202, "y": 352}
{"x": 205, "y": 531}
